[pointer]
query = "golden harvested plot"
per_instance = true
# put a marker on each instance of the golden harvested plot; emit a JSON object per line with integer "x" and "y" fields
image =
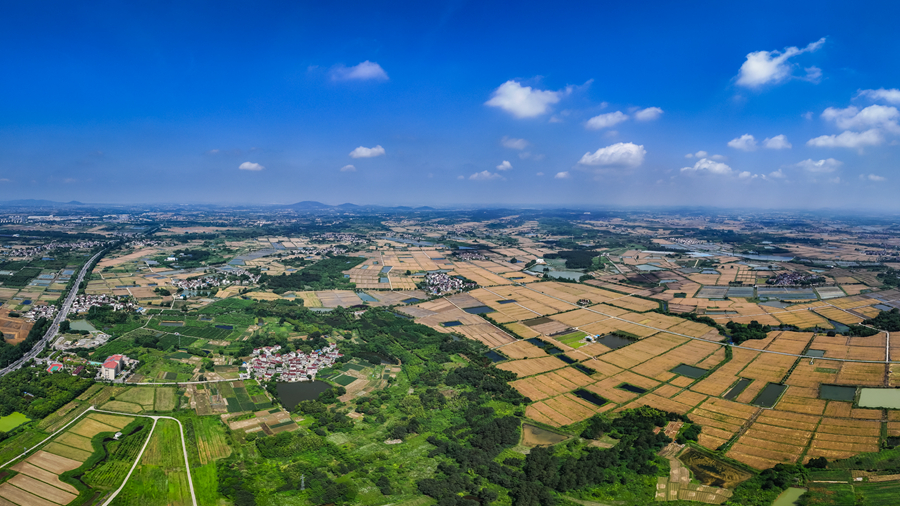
{"x": 522, "y": 330}
{"x": 29, "y": 469}
{"x": 654, "y": 320}
{"x": 789, "y": 420}
{"x": 801, "y": 405}
{"x": 116, "y": 421}
{"x": 165, "y": 399}
{"x": 67, "y": 451}
{"x": 557, "y": 419}
{"x": 56, "y": 464}
{"x": 530, "y": 367}
{"x": 790, "y": 342}
{"x": 691, "y": 352}
{"x": 21, "y": 497}
{"x": 75, "y": 441}
{"x": 690, "y": 328}
{"x": 777, "y": 434}
{"x": 855, "y": 373}
{"x": 855, "y": 427}
{"x": 768, "y": 367}
{"x": 521, "y": 349}
{"x": 802, "y": 318}
{"x": 88, "y": 427}
{"x": 643, "y": 350}
{"x": 757, "y": 458}
{"x": 833, "y": 313}
{"x": 722, "y": 379}
{"x": 573, "y": 407}
{"x": 579, "y": 317}
{"x": 42, "y": 489}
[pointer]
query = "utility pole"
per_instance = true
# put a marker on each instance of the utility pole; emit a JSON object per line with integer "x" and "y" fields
{"x": 302, "y": 482}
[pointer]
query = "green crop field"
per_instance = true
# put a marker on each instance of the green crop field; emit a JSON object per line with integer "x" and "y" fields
{"x": 120, "y": 456}
{"x": 344, "y": 380}
{"x": 572, "y": 339}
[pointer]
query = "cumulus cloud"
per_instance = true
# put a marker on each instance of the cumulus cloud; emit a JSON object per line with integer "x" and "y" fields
{"x": 504, "y": 166}
{"x": 523, "y": 101}
{"x": 621, "y": 154}
{"x": 511, "y": 143}
{"x": 485, "y": 176}
{"x": 365, "y": 71}
{"x": 848, "y": 139}
{"x": 820, "y": 166}
{"x": 764, "y": 67}
{"x": 707, "y": 166}
{"x": 606, "y": 120}
{"x": 746, "y": 174}
{"x": 778, "y": 174}
{"x": 348, "y": 168}
{"x": 745, "y": 142}
{"x": 648, "y": 114}
{"x": 874, "y": 116}
{"x": 251, "y": 166}
{"x": 777, "y": 142}
{"x": 698, "y": 154}
{"x": 717, "y": 157}
{"x": 363, "y": 152}
{"x": 539, "y": 174}
{"x": 891, "y": 96}
{"x": 562, "y": 175}
{"x": 873, "y": 177}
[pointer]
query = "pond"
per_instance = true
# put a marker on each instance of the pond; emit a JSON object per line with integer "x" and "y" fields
{"x": 291, "y": 394}
{"x": 536, "y": 436}
{"x": 411, "y": 300}
{"x": 789, "y": 497}
{"x": 366, "y": 297}
{"x": 815, "y": 353}
{"x": 837, "y": 393}
{"x": 879, "y": 398}
{"x": 225, "y": 327}
{"x": 585, "y": 369}
{"x": 590, "y": 397}
{"x": 454, "y": 323}
{"x": 628, "y": 387}
{"x": 507, "y": 301}
{"x": 494, "y": 356}
{"x": 565, "y": 358}
{"x": 737, "y": 389}
{"x": 615, "y": 342}
{"x": 171, "y": 324}
{"x": 82, "y": 325}
{"x": 689, "y": 371}
{"x": 769, "y": 395}
{"x": 537, "y": 342}
{"x": 478, "y": 310}
{"x": 882, "y": 307}
{"x": 709, "y": 470}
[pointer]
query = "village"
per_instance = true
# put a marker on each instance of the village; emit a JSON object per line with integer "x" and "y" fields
{"x": 266, "y": 362}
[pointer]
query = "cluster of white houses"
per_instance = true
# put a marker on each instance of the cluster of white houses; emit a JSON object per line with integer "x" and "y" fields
{"x": 266, "y": 362}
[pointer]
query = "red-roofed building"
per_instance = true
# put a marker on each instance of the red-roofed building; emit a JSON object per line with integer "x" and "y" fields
{"x": 112, "y": 367}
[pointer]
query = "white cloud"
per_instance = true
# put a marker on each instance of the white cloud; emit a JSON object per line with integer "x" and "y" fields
{"x": 778, "y": 174}
{"x": 874, "y": 116}
{"x": 511, "y": 143}
{"x": 819, "y": 167}
{"x": 701, "y": 154}
{"x": 873, "y": 177}
{"x": 212, "y": 152}
{"x": 485, "y": 176}
{"x": 620, "y": 154}
{"x": 891, "y": 96}
{"x": 717, "y": 157}
{"x": 251, "y": 166}
{"x": 525, "y": 154}
{"x": 562, "y": 175}
{"x": 689, "y": 155}
{"x": 348, "y": 168}
{"x": 460, "y": 177}
{"x": 777, "y": 142}
{"x": 709, "y": 167}
{"x": 606, "y": 120}
{"x": 504, "y": 166}
{"x": 539, "y": 174}
{"x": 807, "y": 115}
{"x": 523, "y": 101}
{"x": 746, "y": 174}
{"x": 365, "y": 71}
{"x": 648, "y": 114}
{"x": 848, "y": 139}
{"x": 764, "y": 67}
{"x": 363, "y": 152}
{"x": 745, "y": 142}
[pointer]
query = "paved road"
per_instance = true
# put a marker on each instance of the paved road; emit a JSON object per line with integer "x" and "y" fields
{"x": 54, "y": 328}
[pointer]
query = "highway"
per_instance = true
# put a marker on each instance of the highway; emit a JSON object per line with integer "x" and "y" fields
{"x": 60, "y": 316}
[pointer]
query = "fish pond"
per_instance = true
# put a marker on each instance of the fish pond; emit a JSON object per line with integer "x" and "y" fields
{"x": 769, "y": 395}
{"x": 536, "y": 436}
{"x": 689, "y": 371}
{"x": 736, "y": 390}
{"x": 614, "y": 342}
{"x": 837, "y": 393}
{"x": 590, "y": 397}
{"x": 291, "y": 394}
{"x": 879, "y": 398}
{"x": 494, "y": 356}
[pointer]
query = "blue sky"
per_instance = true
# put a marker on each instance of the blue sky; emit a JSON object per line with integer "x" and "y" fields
{"x": 790, "y": 105}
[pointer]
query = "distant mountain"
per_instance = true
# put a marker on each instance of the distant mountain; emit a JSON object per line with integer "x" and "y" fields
{"x": 38, "y": 203}
{"x": 309, "y": 205}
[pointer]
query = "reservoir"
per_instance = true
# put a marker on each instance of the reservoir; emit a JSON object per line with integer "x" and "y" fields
{"x": 837, "y": 393}
{"x": 879, "y": 398}
{"x": 689, "y": 371}
{"x": 291, "y": 394}
{"x": 613, "y": 341}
